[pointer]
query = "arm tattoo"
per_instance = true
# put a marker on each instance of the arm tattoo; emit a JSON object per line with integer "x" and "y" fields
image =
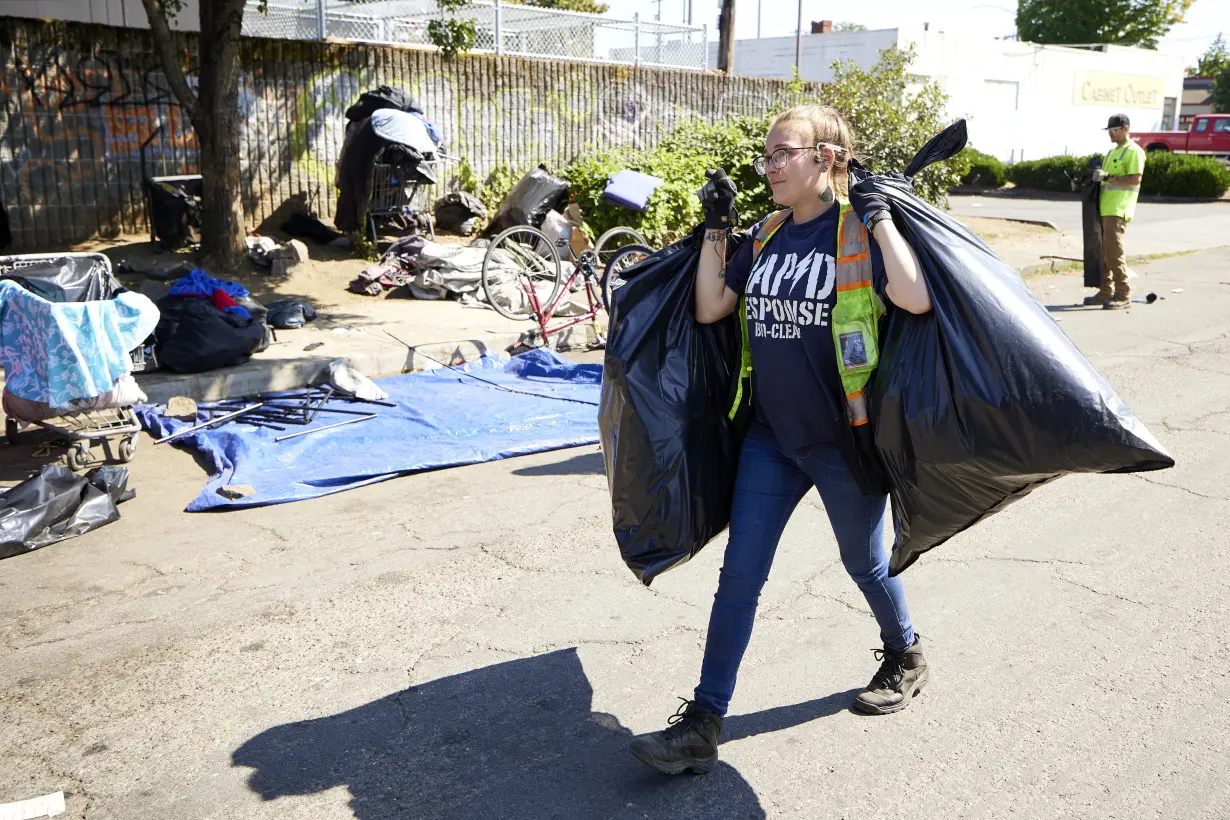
{"x": 716, "y": 235}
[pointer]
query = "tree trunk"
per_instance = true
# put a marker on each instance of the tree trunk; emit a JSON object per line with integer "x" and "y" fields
{"x": 726, "y": 37}
{"x": 222, "y": 222}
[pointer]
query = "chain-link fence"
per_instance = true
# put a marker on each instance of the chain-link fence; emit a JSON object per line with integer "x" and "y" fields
{"x": 502, "y": 28}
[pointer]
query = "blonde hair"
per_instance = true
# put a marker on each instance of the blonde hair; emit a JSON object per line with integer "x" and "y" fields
{"x": 821, "y": 123}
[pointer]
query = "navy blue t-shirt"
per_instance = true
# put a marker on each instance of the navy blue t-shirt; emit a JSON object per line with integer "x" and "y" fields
{"x": 790, "y": 294}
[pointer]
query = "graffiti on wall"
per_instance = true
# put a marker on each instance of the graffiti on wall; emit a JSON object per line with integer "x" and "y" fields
{"x": 75, "y": 120}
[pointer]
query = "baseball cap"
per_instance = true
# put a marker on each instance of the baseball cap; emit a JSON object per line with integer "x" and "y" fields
{"x": 1117, "y": 121}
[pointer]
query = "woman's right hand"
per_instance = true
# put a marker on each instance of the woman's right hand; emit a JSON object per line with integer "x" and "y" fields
{"x": 719, "y": 200}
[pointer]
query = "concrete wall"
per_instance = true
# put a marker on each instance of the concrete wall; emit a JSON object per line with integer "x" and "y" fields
{"x": 1023, "y": 101}
{"x": 77, "y": 101}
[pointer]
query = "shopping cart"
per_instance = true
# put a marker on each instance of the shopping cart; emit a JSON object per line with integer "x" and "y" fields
{"x": 394, "y": 188}
{"x": 80, "y": 428}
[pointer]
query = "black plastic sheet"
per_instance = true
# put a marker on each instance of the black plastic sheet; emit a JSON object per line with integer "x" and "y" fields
{"x": 671, "y": 451}
{"x": 528, "y": 202}
{"x": 983, "y": 399}
{"x": 67, "y": 279}
{"x": 58, "y": 504}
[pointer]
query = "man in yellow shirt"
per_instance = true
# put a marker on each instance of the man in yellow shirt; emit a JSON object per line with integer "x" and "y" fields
{"x": 1120, "y": 176}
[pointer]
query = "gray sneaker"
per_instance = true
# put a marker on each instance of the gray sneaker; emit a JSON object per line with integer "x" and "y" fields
{"x": 902, "y": 675}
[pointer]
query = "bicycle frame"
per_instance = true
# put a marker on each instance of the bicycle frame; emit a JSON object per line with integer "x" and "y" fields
{"x": 544, "y": 314}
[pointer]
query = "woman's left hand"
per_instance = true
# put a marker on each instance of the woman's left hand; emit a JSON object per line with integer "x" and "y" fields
{"x": 868, "y": 202}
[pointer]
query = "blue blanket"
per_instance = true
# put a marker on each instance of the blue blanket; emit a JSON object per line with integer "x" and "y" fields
{"x": 443, "y": 418}
{"x": 56, "y": 352}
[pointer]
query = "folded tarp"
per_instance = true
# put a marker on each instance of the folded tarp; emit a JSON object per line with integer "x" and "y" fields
{"x": 442, "y": 418}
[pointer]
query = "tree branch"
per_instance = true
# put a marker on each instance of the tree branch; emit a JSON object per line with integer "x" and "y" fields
{"x": 164, "y": 44}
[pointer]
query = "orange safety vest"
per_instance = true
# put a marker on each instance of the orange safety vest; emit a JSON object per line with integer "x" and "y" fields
{"x": 855, "y": 319}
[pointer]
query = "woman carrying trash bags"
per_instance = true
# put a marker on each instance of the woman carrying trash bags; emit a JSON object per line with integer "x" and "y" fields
{"x": 811, "y": 284}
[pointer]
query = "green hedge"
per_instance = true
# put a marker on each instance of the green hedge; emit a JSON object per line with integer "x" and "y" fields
{"x": 1177, "y": 175}
{"x": 1047, "y": 174}
{"x": 1169, "y": 174}
{"x": 984, "y": 170}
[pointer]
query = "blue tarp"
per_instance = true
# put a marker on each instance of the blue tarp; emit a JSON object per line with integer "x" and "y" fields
{"x": 532, "y": 403}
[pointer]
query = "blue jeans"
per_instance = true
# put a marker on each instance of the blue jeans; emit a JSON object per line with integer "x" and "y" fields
{"x": 768, "y": 488}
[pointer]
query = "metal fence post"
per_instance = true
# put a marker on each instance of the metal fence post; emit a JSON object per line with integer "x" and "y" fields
{"x": 704, "y": 60}
{"x": 499, "y": 26}
{"x": 636, "y": 39}
{"x": 321, "y": 28}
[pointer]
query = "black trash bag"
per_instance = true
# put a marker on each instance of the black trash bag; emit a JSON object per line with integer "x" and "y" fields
{"x": 290, "y": 314}
{"x": 528, "y": 202}
{"x": 58, "y": 504}
{"x": 193, "y": 336}
{"x": 67, "y": 279}
{"x": 308, "y": 226}
{"x": 983, "y": 399}
{"x": 457, "y": 212}
{"x": 671, "y": 450}
{"x": 1091, "y": 221}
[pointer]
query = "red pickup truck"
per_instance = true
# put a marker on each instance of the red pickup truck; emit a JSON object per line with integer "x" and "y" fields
{"x": 1210, "y": 135}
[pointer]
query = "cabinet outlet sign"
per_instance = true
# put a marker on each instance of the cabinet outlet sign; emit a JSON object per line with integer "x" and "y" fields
{"x": 1120, "y": 90}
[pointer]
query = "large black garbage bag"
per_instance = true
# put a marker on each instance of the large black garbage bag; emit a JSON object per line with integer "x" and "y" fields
{"x": 671, "y": 451}
{"x": 57, "y": 504}
{"x": 528, "y": 202}
{"x": 983, "y": 399}
{"x": 1091, "y": 223}
{"x": 193, "y": 336}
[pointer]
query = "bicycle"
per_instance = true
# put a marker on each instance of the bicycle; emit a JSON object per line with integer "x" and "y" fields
{"x": 526, "y": 256}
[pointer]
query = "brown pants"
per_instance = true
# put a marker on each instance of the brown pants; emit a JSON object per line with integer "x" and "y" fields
{"x": 1114, "y": 260}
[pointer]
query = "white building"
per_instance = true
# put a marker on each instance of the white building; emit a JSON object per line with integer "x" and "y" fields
{"x": 1022, "y": 100}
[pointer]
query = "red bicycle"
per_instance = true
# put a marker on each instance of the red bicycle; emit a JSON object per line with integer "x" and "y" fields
{"x": 523, "y": 278}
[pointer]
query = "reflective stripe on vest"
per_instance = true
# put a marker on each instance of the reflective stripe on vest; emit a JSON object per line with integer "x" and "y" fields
{"x": 854, "y": 320}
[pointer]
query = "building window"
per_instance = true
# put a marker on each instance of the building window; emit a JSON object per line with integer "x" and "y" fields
{"x": 1003, "y": 95}
{"x": 1168, "y": 106}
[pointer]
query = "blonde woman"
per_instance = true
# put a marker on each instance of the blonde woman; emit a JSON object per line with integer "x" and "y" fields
{"x": 811, "y": 286}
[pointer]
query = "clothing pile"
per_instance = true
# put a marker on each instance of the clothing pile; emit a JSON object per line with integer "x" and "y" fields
{"x": 385, "y": 125}
{"x": 208, "y": 323}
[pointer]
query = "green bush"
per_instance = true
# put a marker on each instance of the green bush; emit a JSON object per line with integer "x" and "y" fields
{"x": 984, "y": 170}
{"x": 1049, "y": 173}
{"x": 1184, "y": 175}
{"x": 1178, "y": 175}
{"x": 891, "y": 121}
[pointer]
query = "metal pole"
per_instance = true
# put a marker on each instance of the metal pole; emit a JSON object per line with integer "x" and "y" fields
{"x": 636, "y": 39}
{"x": 321, "y": 26}
{"x": 798, "y": 43}
{"x": 326, "y": 427}
{"x": 758, "y": 15}
{"x": 704, "y": 36}
{"x": 499, "y": 26}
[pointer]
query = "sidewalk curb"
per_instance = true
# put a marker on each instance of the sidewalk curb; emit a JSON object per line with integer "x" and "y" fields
{"x": 270, "y": 375}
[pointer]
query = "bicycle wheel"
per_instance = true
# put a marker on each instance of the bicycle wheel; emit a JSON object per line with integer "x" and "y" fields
{"x": 613, "y": 241}
{"x": 612, "y": 278}
{"x": 519, "y": 260}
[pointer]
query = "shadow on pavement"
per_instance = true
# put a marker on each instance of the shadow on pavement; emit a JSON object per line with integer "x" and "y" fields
{"x": 515, "y": 739}
{"x": 587, "y": 464}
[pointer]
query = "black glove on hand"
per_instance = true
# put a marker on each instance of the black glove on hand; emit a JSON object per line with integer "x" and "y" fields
{"x": 869, "y": 202}
{"x": 718, "y": 201}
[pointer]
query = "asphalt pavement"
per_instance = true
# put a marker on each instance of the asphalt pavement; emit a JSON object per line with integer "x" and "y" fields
{"x": 1158, "y": 227}
{"x": 467, "y": 644}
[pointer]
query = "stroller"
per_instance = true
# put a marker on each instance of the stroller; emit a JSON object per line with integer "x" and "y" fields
{"x": 76, "y": 277}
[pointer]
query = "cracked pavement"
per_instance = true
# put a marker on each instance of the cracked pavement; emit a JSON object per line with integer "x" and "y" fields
{"x": 466, "y": 643}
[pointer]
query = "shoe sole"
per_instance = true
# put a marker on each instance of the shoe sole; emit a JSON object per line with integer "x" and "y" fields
{"x": 868, "y": 709}
{"x": 697, "y": 765}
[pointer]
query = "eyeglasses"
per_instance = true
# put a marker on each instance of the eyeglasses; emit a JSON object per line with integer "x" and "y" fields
{"x": 777, "y": 159}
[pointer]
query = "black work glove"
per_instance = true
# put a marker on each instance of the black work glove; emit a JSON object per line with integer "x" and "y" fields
{"x": 718, "y": 201}
{"x": 869, "y": 202}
